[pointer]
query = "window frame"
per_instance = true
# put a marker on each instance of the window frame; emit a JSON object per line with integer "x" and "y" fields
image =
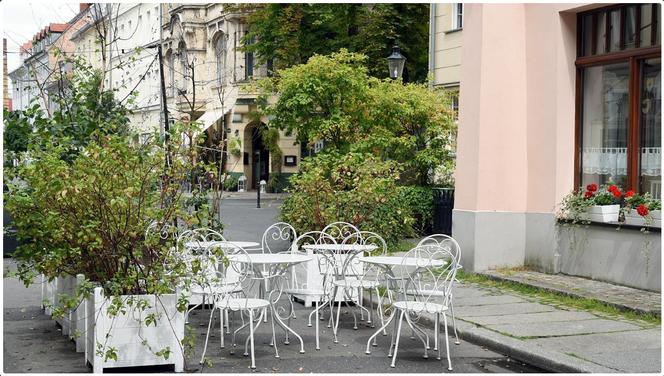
{"x": 457, "y": 11}
{"x": 634, "y": 57}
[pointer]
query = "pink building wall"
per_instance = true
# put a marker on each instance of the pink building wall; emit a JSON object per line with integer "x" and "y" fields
{"x": 515, "y": 153}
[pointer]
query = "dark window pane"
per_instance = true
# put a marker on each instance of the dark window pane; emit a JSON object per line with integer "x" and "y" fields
{"x": 587, "y": 30}
{"x": 651, "y": 127}
{"x": 601, "y": 33}
{"x": 615, "y": 30}
{"x": 605, "y": 124}
{"x": 646, "y": 24}
{"x": 630, "y": 27}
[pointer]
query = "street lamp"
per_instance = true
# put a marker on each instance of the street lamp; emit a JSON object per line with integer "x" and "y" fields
{"x": 395, "y": 63}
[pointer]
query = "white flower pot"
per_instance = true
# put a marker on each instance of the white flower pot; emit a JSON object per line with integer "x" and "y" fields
{"x": 131, "y": 337}
{"x": 633, "y": 218}
{"x": 603, "y": 213}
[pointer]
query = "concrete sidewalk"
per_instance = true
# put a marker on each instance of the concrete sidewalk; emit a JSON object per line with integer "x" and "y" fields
{"x": 552, "y": 337}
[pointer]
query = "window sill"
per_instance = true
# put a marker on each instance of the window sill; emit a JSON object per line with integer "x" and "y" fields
{"x": 451, "y": 31}
{"x": 613, "y": 225}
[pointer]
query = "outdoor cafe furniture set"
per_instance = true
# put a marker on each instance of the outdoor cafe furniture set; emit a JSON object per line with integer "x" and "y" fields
{"x": 336, "y": 265}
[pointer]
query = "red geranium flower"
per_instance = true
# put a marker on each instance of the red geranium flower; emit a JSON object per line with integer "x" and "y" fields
{"x": 592, "y": 187}
{"x": 629, "y": 194}
{"x": 642, "y": 210}
{"x": 612, "y": 188}
{"x": 589, "y": 194}
{"x": 616, "y": 193}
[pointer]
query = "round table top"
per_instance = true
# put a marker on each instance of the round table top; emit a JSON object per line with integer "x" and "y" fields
{"x": 340, "y": 247}
{"x": 270, "y": 258}
{"x": 404, "y": 261}
{"x": 221, "y": 244}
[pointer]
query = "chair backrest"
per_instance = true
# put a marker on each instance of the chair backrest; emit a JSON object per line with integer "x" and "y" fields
{"x": 348, "y": 261}
{"x": 428, "y": 274}
{"x": 322, "y": 260}
{"x": 228, "y": 270}
{"x": 444, "y": 241}
{"x": 278, "y": 238}
{"x": 340, "y": 230}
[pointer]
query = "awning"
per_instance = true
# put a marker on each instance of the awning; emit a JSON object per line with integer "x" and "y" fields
{"x": 211, "y": 116}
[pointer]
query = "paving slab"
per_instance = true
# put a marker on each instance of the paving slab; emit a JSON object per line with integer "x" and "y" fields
{"x": 605, "y": 342}
{"x": 558, "y": 328}
{"x": 628, "y": 360}
{"x": 486, "y": 300}
{"x": 622, "y": 297}
{"x": 502, "y": 309}
{"x": 535, "y": 317}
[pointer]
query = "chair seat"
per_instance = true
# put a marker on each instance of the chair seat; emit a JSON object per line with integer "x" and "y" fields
{"x": 425, "y": 292}
{"x": 429, "y": 307}
{"x": 356, "y": 283}
{"x": 236, "y": 304}
{"x": 312, "y": 292}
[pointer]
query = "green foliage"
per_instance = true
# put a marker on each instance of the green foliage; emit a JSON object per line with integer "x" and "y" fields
{"x": 290, "y": 34}
{"x": 16, "y": 134}
{"x": 420, "y": 200}
{"x": 231, "y": 183}
{"x": 574, "y": 207}
{"x": 356, "y": 188}
{"x": 333, "y": 99}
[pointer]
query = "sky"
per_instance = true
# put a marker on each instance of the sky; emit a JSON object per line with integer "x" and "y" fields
{"x": 21, "y": 20}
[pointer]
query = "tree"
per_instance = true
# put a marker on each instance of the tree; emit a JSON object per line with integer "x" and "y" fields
{"x": 333, "y": 99}
{"x": 290, "y": 34}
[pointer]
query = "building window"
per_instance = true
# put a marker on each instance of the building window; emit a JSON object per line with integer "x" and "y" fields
{"x": 619, "y": 98}
{"x": 170, "y": 58}
{"x": 184, "y": 65}
{"x": 220, "y": 51}
{"x": 249, "y": 61}
{"x": 457, "y": 21}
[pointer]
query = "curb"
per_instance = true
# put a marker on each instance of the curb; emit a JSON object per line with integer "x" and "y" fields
{"x": 547, "y": 360}
{"x": 551, "y": 289}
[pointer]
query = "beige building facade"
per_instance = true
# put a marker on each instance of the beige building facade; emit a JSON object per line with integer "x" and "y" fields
{"x": 446, "y": 24}
{"x": 209, "y": 80}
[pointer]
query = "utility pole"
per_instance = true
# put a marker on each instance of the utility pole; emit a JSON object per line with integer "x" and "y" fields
{"x": 163, "y": 91}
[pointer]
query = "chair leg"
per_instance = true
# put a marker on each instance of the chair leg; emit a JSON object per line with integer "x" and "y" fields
{"x": 447, "y": 344}
{"x": 393, "y": 337}
{"x": 373, "y": 336}
{"x": 371, "y": 308}
{"x": 274, "y": 339}
{"x": 360, "y": 297}
{"x": 335, "y": 327}
{"x": 396, "y": 345}
{"x": 454, "y": 322}
{"x": 221, "y": 326}
{"x": 207, "y": 336}
{"x": 317, "y": 336}
{"x": 251, "y": 336}
{"x": 228, "y": 322}
{"x": 436, "y": 332}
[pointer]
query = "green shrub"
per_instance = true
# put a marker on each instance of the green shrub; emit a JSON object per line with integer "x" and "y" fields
{"x": 230, "y": 184}
{"x": 420, "y": 200}
{"x": 356, "y": 188}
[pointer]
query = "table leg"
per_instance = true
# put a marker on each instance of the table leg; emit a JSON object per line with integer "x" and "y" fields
{"x": 385, "y": 325}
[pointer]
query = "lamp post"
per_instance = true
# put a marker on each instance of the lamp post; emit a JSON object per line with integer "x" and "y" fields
{"x": 395, "y": 63}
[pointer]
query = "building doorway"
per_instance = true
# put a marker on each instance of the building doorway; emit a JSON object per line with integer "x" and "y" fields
{"x": 260, "y": 157}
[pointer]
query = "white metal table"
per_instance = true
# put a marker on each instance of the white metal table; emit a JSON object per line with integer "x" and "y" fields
{"x": 387, "y": 263}
{"x": 271, "y": 266}
{"x": 226, "y": 244}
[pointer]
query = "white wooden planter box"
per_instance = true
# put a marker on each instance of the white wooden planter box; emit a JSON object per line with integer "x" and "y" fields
{"x": 127, "y": 334}
{"x": 47, "y": 294}
{"x": 310, "y": 273}
{"x": 633, "y": 218}
{"x": 603, "y": 213}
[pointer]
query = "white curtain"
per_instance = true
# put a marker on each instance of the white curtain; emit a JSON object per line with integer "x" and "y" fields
{"x": 605, "y": 161}
{"x": 651, "y": 161}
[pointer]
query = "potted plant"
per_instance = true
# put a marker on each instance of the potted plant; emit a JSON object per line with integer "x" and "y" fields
{"x": 642, "y": 210}
{"x": 594, "y": 204}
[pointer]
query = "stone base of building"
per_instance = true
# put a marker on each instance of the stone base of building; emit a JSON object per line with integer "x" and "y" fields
{"x": 492, "y": 240}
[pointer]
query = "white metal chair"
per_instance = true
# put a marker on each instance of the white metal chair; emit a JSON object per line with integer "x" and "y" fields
{"x": 354, "y": 276}
{"x": 225, "y": 279}
{"x": 278, "y": 238}
{"x": 340, "y": 230}
{"x": 432, "y": 279}
{"x": 296, "y": 283}
{"x": 448, "y": 243}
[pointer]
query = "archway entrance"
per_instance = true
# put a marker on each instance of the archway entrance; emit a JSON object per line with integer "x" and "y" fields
{"x": 260, "y": 157}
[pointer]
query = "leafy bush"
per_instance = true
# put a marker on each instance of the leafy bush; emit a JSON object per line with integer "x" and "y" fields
{"x": 356, "y": 188}
{"x": 420, "y": 200}
{"x": 230, "y": 183}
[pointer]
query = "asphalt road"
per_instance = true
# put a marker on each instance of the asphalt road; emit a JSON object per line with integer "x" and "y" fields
{"x": 33, "y": 343}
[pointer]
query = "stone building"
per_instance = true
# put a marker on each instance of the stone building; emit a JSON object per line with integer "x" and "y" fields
{"x": 209, "y": 80}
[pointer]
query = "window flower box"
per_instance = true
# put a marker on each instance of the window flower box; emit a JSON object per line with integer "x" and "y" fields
{"x": 136, "y": 341}
{"x": 603, "y": 213}
{"x": 635, "y": 219}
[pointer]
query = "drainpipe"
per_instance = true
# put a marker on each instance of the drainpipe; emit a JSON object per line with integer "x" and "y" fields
{"x": 432, "y": 42}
